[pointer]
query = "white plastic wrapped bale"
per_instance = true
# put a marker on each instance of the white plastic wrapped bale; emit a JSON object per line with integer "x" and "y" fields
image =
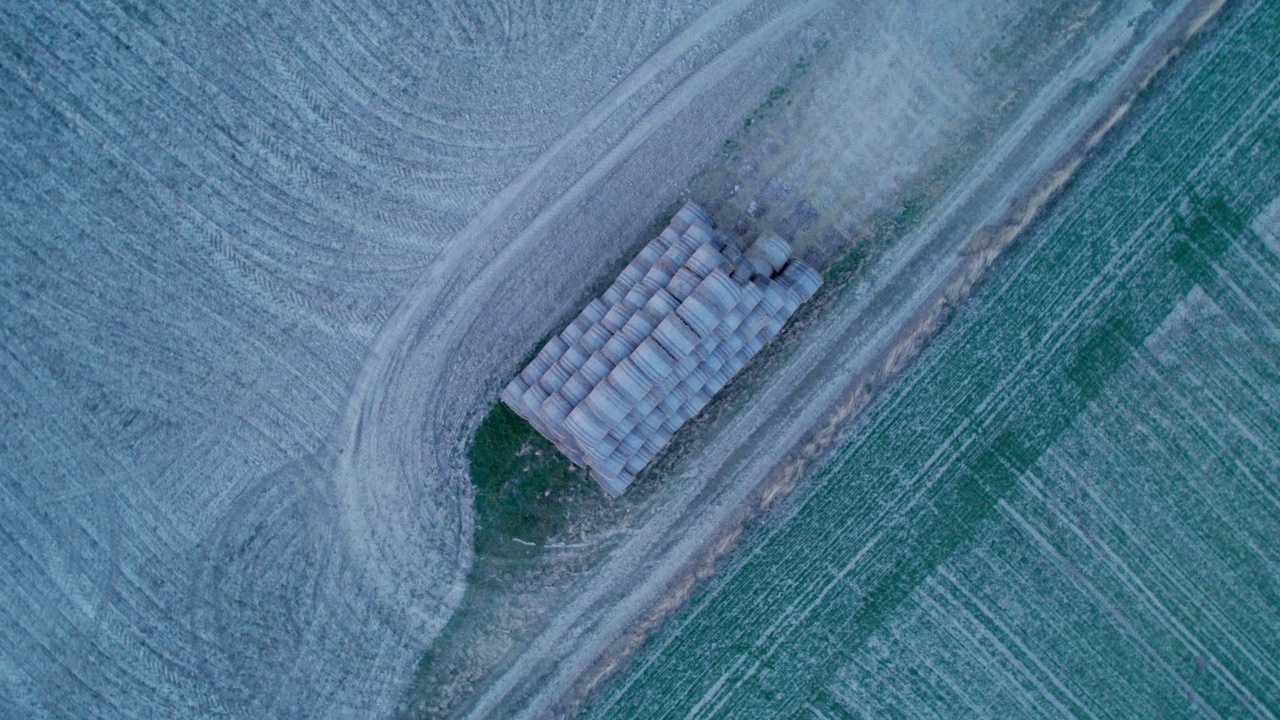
{"x": 679, "y": 321}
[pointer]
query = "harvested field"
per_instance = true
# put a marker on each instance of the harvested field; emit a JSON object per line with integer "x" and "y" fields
{"x": 1067, "y": 507}
{"x": 267, "y": 266}
{"x": 210, "y": 213}
{"x": 674, "y": 524}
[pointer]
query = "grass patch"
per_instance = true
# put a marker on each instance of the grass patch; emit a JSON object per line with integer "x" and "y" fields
{"x": 881, "y": 231}
{"x": 525, "y": 488}
{"x": 523, "y": 485}
{"x": 774, "y": 99}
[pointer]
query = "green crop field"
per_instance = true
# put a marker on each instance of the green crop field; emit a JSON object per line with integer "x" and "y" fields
{"x": 1070, "y": 506}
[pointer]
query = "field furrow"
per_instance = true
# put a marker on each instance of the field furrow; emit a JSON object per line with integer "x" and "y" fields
{"x": 1064, "y": 508}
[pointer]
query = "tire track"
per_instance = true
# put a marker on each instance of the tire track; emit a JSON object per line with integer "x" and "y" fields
{"x": 866, "y": 334}
{"x": 401, "y": 442}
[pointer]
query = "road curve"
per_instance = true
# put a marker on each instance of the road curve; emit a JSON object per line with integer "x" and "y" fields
{"x": 400, "y": 469}
{"x": 504, "y": 280}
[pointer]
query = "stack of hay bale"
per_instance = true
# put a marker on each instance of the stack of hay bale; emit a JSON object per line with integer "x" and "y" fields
{"x": 681, "y": 320}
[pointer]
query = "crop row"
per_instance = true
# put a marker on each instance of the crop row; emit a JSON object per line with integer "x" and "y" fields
{"x": 1047, "y": 515}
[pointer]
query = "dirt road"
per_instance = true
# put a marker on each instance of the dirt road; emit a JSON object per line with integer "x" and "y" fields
{"x": 512, "y": 271}
{"x": 852, "y": 341}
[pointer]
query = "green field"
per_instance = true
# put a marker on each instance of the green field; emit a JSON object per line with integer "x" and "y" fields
{"x": 1070, "y": 506}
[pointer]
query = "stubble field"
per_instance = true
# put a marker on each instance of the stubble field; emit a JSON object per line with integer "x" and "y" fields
{"x": 209, "y": 213}
{"x": 264, "y": 267}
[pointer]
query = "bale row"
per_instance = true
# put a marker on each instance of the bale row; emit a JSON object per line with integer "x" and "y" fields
{"x": 647, "y": 356}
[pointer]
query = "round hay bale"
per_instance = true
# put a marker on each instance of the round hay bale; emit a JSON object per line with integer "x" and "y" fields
{"x": 803, "y": 278}
{"x": 773, "y": 299}
{"x": 629, "y": 445}
{"x": 676, "y": 337}
{"x": 613, "y": 295}
{"x": 595, "y": 338}
{"x": 555, "y": 409}
{"x": 700, "y": 233}
{"x": 659, "y": 275}
{"x": 533, "y": 398}
{"x": 598, "y": 453}
{"x": 772, "y": 249}
{"x": 574, "y": 356}
{"x": 618, "y": 348}
{"x": 652, "y": 359}
{"x": 693, "y": 211}
{"x": 637, "y": 462}
{"x": 672, "y": 423}
{"x": 699, "y": 315}
{"x": 595, "y": 310}
{"x": 576, "y": 388}
{"x": 683, "y": 248}
{"x": 704, "y": 260}
{"x": 555, "y": 377}
{"x": 662, "y": 304}
{"x": 652, "y": 446}
{"x": 718, "y": 290}
{"x": 595, "y": 369}
{"x": 630, "y": 381}
{"x": 683, "y": 283}
{"x": 640, "y": 326}
{"x": 628, "y": 423}
{"x": 606, "y": 404}
{"x": 629, "y": 276}
{"x": 650, "y": 401}
{"x": 650, "y": 254}
{"x": 671, "y": 402}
